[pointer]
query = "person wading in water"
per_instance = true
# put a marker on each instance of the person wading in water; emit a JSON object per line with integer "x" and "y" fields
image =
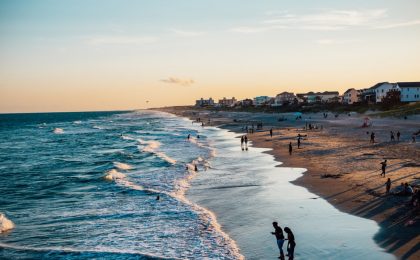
{"x": 278, "y": 232}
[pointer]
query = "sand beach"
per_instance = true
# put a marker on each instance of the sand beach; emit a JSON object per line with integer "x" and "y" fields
{"x": 342, "y": 166}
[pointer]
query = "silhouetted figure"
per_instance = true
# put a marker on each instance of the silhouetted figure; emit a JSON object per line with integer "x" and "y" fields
{"x": 278, "y": 232}
{"x": 195, "y": 168}
{"x": 242, "y": 142}
{"x": 383, "y": 167}
{"x": 246, "y": 142}
{"x": 388, "y": 186}
{"x": 291, "y": 244}
{"x": 157, "y": 197}
{"x": 298, "y": 142}
{"x": 271, "y": 132}
{"x": 198, "y": 136}
{"x": 398, "y": 136}
{"x": 189, "y": 136}
{"x": 372, "y": 137}
{"x": 392, "y": 136}
{"x": 290, "y": 148}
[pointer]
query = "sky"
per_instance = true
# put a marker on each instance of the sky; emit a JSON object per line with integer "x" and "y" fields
{"x": 85, "y": 55}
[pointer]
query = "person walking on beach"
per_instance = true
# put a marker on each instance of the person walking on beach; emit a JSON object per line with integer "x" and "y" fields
{"x": 271, "y": 132}
{"x": 388, "y": 186}
{"x": 298, "y": 141}
{"x": 383, "y": 167}
{"x": 291, "y": 243}
{"x": 392, "y": 136}
{"x": 398, "y": 136}
{"x": 372, "y": 137}
{"x": 278, "y": 232}
{"x": 242, "y": 143}
{"x": 290, "y": 148}
{"x": 246, "y": 142}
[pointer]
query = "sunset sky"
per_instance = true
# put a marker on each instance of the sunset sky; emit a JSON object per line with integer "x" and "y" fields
{"x": 116, "y": 55}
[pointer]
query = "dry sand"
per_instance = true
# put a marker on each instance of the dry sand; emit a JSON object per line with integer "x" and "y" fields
{"x": 341, "y": 150}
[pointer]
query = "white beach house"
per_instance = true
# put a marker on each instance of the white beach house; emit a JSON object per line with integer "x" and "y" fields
{"x": 381, "y": 89}
{"x": 410, "y": 91}
{"x": 261, "y": 100}
{"x": 204, "y": 102}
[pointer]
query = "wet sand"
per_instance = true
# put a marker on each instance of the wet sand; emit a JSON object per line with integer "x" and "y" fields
{"x": 341, "y": 150}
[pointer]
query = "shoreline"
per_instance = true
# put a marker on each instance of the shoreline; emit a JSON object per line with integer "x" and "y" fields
{"x": 352, "y": 186}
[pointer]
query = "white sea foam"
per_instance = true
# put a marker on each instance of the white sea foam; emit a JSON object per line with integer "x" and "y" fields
{"x": 122, "y": 166}
{"x": 78, "y": 122}
{"x": 165, "y": 157}
{"x": 5, "y": 223}
{"x": 113, "y": 175}
{"x": 97, "y": 127}
{"x": 58, "y": 130}
{"x": 127, "y": 137}
{"x": 83, "y": 250}
{"x": 151, "y": 146}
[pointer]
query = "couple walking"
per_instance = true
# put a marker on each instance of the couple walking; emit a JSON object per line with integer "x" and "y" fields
{"x": 278, "y": 232}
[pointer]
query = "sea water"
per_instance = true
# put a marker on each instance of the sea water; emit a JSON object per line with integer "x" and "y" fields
{"x": 85, "y": 185}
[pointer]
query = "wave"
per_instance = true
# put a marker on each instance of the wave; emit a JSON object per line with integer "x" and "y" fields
{"x": 125, "y": 137}
{"x": 5, "y": 223}
{"x": 58, "y": 130}
{"x": 123, "y": 166}
{"x": 207, "y": 216}
{"x": 87, "y": 251}
{"x": 78, "y": 122}
{"x": 152, "y": 146}
{"x": 113, "y": 175}
{"x": 97, "y": 127}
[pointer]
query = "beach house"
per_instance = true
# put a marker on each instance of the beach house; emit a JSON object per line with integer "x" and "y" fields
{"x": 320, "y": 97}
{"x": 410, "y": 91}
{"x": 284, "y": 98}
{"x": 381, "y": 89}
{"x": 204, "y": 102}
{"x": 227, "y": 102}
{"x": 351, "y": 96}
{"x": 261, "y": 100}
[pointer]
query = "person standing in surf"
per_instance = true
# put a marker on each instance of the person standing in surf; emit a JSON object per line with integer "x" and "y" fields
{"x": 246, "y": 142}
{"x": 291, "y": 243}
{"x": 278, "y": 232}
{"x": 242, "y": 143}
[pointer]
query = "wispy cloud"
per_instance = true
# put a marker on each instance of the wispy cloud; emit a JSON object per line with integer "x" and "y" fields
{"x": 335, "y": 41}
{"x": 178, "y": 81}
{"x": 187, "y": 33}
{"x": 397, "y": 25}
{"x": 121, "y": 40}
{"x": 327, "y": 20}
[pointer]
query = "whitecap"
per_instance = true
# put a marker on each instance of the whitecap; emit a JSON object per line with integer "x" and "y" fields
{"x": 78, "y": 122}
{"x": 122, "y": 166}
{"x": 113, "y": 175}
{"x": 58, "y": 130}
{"x": 5, "y": 223}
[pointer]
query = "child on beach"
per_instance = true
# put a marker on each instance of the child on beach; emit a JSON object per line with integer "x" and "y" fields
{"x": 278, "y": 232}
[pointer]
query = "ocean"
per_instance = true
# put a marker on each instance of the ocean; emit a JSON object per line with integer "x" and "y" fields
{"x": 122, "y": 185}
{"x": 85, "y": 185}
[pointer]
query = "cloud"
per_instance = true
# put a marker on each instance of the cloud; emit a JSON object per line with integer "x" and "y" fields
{"x": 397, "y": 25}
{"x": 186, "y": 33}
{"x": 121, "y": 40}
{"x": 334, "y": 41}
{"x": 178, "y": 81}
{"x": 326, "y": 20}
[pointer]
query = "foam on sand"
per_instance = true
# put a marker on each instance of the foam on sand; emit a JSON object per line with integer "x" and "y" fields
{"x": 58, "y": 130}
{"x": 5, "y": 223}
{"x": 122, "y": 166}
